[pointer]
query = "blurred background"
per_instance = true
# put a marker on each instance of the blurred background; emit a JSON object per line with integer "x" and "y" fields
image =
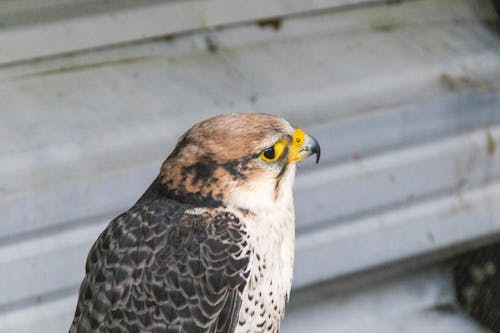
{"x": 402, "y": 95}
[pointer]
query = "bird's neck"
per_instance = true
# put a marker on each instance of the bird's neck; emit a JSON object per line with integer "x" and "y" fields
{"x": 271, "y": 241}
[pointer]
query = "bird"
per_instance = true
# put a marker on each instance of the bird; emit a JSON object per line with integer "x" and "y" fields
{"x": 209, "y": 246}
{"x": 477, "y": 285}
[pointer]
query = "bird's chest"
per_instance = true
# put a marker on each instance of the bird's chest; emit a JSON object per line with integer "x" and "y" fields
{"x": 271, "y": 241}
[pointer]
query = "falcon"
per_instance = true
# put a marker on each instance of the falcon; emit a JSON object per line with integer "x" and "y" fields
{"x": 209, "y": 247}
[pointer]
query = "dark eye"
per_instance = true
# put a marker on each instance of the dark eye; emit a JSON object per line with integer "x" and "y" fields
{"x": 269, "y": 153}
{"x": 274, "y": 152}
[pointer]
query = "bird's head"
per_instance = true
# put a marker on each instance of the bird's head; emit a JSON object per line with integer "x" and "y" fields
{"x": 242, "y": 160}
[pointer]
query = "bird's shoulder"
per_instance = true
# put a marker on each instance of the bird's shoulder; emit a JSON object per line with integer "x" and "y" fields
{"x": 158, "y": 232}
{"x": 173, "y": 222}
{"x": 190, "y": 262}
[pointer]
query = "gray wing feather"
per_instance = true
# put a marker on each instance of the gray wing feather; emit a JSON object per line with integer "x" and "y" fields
{"x": 157, "y": 269}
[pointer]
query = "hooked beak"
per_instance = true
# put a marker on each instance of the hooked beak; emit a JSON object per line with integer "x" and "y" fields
{"x": 303, "y": 146}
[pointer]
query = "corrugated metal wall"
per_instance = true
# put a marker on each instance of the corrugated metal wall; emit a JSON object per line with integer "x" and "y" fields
{"x": 403, "y": 98}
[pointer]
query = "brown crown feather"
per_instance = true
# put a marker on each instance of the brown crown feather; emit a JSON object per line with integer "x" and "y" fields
{"x": 218, "y": 154}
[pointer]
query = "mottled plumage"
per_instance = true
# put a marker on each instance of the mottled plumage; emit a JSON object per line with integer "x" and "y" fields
{"x": 477, "y": 283}
{"x": 209, "y": 246}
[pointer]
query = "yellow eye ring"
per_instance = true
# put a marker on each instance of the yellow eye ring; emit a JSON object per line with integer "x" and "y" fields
{"x": 273, "y": 153}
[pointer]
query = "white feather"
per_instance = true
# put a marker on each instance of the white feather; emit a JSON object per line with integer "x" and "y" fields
{"x": 271, "y": 238}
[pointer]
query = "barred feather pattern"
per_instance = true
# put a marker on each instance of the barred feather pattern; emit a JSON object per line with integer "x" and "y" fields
{"x": 160, "y": 268}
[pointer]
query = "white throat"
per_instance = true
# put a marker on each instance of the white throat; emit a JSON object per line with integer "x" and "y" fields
{"x": 271, "y": 236}
{"x": 260, "y": 196}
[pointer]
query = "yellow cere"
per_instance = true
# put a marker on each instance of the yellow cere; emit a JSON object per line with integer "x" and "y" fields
{"x": 298, "y": 141}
